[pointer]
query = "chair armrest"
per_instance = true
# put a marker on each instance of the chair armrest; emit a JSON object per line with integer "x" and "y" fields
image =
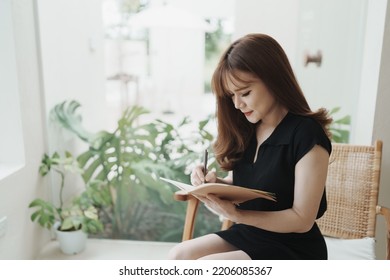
{"x": 192, "y": 209}
{"x": 385, "y": 212}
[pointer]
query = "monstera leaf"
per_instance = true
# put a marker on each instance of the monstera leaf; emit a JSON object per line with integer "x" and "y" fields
{"x": 67, "y": 116}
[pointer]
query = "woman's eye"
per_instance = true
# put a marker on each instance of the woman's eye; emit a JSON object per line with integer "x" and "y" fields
{"x": 246, "y": 93}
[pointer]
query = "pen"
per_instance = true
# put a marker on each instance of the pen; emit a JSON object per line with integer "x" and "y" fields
{"x": 205, "y": 157}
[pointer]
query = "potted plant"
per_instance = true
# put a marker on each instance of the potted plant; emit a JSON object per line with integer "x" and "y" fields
{"x": 72, "y": 221}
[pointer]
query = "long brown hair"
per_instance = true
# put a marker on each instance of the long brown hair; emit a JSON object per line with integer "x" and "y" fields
{"x": 263, "y": 57}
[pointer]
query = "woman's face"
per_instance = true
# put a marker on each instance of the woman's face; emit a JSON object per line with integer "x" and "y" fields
{"x": 251, "y": 97}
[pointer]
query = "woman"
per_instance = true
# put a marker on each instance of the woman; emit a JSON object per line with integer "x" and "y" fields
{"x": 269, "y": 139}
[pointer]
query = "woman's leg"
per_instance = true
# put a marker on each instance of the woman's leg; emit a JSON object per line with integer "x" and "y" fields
{"x": 200, "y": 247}
{"x": 232, "y": 255}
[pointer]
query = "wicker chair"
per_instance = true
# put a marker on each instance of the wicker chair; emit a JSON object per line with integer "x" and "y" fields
{"x": 352, "y": 191}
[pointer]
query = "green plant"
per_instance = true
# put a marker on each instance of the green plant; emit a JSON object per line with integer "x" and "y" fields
{"x": 130, "y": 161}
{"x": 80, "y": 214}
{"x": 340, "y": 127}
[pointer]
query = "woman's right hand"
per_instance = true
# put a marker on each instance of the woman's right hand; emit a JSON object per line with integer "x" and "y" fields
{"x": 198, "y": 177}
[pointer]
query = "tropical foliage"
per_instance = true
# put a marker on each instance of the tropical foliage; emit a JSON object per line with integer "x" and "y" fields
{"x": 130, "y": 161}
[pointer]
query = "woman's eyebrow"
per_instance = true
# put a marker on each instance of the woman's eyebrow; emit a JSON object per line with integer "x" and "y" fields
{"x": 242, "y": 87}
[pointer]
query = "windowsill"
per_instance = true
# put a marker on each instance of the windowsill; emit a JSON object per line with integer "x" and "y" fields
{"x": 9, "y": 169}
{"x": 109, "y": 249}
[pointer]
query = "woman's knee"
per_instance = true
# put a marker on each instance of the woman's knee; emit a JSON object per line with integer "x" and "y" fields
{"x": 181, "y": 251}
{"x": 199, "y": 247}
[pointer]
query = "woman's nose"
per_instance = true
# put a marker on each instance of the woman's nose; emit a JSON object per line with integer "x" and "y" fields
{"x": 238, "y": 104}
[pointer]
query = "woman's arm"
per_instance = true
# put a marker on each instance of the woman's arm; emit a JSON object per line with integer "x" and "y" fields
{"x": 310, "y": 178}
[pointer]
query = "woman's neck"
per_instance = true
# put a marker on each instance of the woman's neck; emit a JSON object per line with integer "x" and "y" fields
{"x": 273, "y": 119}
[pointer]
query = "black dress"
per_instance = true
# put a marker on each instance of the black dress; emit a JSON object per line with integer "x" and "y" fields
{"x": 273, "y": 171}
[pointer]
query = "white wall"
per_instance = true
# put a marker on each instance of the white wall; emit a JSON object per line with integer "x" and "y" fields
{"x": 72, "y": 54}
{"x": 337, "y": 29}
{"x": 278, "y": 18}
{"x": 10, "y": 118}
{"x": 23, "y": 239}
{"x": 62, "y": 46}
{"x": 371, "y": 60}
{"x": 381, "y": 131}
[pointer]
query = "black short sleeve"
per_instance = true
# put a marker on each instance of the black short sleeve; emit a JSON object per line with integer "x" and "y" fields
{"x": 309, "y": 133}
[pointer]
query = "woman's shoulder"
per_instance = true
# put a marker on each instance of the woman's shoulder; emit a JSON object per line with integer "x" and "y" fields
{"x": 298, "y": 123}
{"x": 307, "y": 132}
{"x": 296, "y": 128}
{"x": 293, "y": 124}
{"x": 300, "y": 120}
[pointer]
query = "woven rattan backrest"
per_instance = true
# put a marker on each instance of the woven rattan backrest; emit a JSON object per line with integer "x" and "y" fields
{"x": 352, "y": 191}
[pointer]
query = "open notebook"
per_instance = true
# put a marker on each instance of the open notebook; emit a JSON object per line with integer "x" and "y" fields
{"x": 235, "y": 194}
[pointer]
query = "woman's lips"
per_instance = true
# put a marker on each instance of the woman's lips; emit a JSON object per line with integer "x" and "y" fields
{"x": 247, "y": 114}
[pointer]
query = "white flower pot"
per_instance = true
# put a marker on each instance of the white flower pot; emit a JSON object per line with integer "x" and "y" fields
{"x": 72, "y": 242}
